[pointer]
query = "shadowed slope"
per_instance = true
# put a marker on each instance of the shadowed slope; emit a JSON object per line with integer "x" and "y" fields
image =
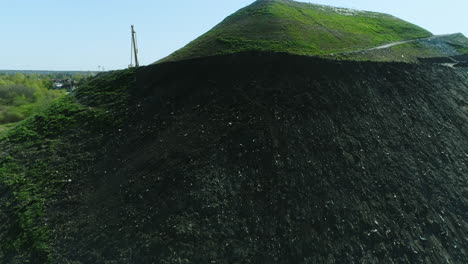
{"x": 250, "y": 158}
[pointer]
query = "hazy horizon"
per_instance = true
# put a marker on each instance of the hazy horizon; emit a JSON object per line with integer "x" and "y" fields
{"x": 80, "y": 36}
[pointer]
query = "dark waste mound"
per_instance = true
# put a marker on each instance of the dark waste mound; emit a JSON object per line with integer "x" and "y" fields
{"x": 437, "y": 60}
{"x": 462, "y": 65}
{"x": 256, "y": 158}
{"x": 463, "y": 58}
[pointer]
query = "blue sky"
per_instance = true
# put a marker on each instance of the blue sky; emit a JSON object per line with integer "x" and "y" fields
{"x": 85, "y": 34}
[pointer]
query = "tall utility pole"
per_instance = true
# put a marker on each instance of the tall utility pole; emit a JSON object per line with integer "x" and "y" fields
{"x": 134, "y": 49}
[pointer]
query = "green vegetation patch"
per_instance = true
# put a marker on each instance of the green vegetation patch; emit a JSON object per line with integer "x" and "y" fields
{"x": 43, "y": 154}
{"x": 29, "y": 170}
{"x": 459, "y": 42}
{"x": 298, "y": 28}
{"x": 462, "y": 50}
{"x": 22, "y": 95}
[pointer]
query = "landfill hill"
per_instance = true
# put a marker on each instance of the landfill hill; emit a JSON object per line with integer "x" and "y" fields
{"x": 319, "y": 30}
{"x": 249, "y": 157}
{"x": 299, "y": 28}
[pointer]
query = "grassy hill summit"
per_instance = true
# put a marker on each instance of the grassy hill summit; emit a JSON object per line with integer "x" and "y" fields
{"x": 299, "y": 28}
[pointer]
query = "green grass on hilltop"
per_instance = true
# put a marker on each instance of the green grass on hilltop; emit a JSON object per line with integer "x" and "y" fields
{"x": 298, "y": 28}
{"x": 459, "y": 42}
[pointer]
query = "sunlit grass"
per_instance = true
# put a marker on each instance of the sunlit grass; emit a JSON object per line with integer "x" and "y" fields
{"x": 299, "y": 28}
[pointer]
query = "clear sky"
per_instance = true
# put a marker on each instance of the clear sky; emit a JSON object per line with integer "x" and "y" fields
{"x": 85, "y": 34}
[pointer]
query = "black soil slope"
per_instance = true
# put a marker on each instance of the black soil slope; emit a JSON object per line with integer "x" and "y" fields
{"x": 268, "y": 158}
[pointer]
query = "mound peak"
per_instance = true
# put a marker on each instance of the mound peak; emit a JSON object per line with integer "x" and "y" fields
{"x": 298, "y": 28}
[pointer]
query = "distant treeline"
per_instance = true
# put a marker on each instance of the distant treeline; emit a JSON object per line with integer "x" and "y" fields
{"x": 23, "y": 95}
{"x": 54, "y": 73}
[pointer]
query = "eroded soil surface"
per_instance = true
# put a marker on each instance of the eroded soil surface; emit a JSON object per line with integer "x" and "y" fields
{"x": 268, "y": 158}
